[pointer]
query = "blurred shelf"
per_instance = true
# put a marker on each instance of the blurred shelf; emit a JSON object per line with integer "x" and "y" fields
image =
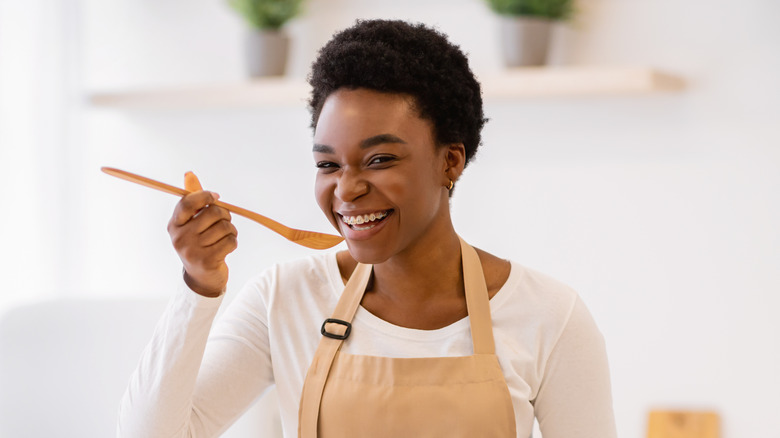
{"x": 577, "y": 81}
{"x": 252, "y": 93}
{"x": 511, "y": 84}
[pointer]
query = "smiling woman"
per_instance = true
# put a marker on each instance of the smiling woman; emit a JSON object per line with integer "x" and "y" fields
{"x": 411, "y": 332}
{"x": 380, "y": 158}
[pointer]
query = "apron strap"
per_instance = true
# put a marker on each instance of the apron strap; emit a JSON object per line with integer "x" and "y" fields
{"x": 313, "y": 387}
{"x": 477, "y": 301}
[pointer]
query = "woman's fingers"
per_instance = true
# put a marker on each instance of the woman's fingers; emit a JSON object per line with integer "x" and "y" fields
{"x": 190, "y": 205}
{"x": 200, "y": 260}
{"x": 191, "y": 182}
{"x": 208, "y": 226}
{"x": 215, "y": 253}
{"x": 207, "y": 217}
{"x": 216, "y": 232}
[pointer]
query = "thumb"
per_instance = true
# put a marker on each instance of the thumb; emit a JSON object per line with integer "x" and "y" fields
{"x": 191, "y": 183}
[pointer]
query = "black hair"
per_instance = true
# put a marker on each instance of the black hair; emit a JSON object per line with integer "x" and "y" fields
{"x": 398, "y": 57}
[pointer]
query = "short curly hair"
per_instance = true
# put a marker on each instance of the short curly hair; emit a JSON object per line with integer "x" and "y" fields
{"x": 394, "y": 56}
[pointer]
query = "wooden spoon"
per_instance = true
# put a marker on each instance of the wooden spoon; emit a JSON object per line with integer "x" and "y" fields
{"x": 309, "y": 239}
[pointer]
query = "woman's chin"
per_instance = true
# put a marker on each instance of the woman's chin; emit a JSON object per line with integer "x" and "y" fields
{"x": 367, "y": 254}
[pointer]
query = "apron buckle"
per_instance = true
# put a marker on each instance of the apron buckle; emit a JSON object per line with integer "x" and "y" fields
{"x": 336, "y": 335}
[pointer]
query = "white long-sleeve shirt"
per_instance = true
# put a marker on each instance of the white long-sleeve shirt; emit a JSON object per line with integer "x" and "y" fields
{"x": 195, "y": 380}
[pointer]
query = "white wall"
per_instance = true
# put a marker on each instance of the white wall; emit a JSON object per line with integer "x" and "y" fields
{"x": 34, "y": 87}
{"x": 661, "y": 210}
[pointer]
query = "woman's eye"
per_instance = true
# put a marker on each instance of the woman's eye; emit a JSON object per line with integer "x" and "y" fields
{"x": 326, "y": 165}
{"x": 381, "y": 159}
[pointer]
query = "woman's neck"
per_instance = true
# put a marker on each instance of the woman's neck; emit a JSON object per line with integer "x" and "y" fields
{"x": 422, "y": 287}
{"x": 422, "y": 272}
{"x": 426, "y": 270}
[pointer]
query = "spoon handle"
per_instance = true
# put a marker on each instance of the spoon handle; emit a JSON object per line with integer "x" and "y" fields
{"x": 309, "y": 239}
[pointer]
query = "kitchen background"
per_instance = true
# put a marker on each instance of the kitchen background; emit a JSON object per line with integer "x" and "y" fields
{"x": 662, "y": 210}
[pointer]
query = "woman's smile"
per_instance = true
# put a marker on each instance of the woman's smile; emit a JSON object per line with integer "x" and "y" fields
{"x": 363, "y": 226}
{"x": 370, "y": 220}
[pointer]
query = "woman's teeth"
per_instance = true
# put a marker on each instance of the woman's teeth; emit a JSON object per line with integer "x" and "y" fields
{"x": 363, "y": 219}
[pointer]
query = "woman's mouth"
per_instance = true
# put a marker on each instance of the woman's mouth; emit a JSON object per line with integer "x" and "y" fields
{"x": 365, "y": 221}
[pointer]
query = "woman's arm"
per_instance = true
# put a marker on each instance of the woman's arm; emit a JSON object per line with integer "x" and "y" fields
{"x": 575, "y": 396}
{"x": 158, "y": 400}
{"x": 185, "y": 386}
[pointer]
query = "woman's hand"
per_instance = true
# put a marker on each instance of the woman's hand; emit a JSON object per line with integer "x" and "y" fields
{"x": 203, "y": 236}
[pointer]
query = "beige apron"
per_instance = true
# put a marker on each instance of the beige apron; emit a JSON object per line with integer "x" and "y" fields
{"x": 346, "y": 395}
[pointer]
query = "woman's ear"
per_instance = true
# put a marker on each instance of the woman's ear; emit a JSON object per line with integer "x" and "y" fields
{"x": 455, "y": 161}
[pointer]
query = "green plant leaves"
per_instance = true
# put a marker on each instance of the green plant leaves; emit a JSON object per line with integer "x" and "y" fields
{"x": 267, "y": 14}
{"x": 552, "y": 9}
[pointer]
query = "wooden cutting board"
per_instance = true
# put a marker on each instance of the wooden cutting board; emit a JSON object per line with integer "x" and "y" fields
{"x": 683, "y": 424}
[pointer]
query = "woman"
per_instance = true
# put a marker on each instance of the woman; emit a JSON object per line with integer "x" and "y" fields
{"x": 428, "y": 337}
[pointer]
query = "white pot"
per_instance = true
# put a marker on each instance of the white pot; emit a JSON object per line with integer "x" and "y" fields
{"x": 266, "y": 52}
{"x": 525, "y": 41}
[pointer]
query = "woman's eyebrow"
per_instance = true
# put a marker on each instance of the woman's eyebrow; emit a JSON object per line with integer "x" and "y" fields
{"x": 367, "y": 143}
{"x": 380, "y": 139}
{"x": 322, "y": 148}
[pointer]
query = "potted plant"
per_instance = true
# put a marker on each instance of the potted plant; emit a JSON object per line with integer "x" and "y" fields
{"x": 526, "y": 28}
{"x": 266, "y": 43}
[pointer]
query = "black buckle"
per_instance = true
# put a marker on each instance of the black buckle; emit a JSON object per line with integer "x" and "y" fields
{"x": 336, "y": 321}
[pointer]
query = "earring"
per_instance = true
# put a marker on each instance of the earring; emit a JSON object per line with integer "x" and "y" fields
{"x": 452, "y": 184}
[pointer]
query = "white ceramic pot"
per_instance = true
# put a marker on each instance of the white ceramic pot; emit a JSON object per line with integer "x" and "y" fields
{"x": 525, "y": 41}
{"x": 266, "y": 52}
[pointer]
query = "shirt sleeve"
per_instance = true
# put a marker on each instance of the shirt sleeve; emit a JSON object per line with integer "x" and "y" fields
{"x": 193, "y": 381}
{"x": 575, "y": 394}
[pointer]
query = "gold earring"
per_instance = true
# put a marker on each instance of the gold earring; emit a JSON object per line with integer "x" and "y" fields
{"x": 452, "y": 184}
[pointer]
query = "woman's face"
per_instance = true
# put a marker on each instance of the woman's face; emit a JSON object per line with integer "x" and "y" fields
{"x": 381, "y": 180}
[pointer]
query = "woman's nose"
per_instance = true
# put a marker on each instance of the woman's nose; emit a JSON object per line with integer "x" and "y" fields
{"x": 350, "y": 186}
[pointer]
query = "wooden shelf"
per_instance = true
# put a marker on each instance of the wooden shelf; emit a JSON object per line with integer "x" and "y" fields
{"x": 513, "y": 84}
